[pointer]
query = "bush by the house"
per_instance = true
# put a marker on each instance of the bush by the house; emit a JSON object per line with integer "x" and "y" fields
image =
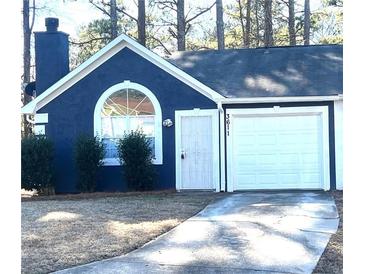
{"x": 89, "y": 154}
{"x": 135, "y": 156}
{"x": 37, "y": 164}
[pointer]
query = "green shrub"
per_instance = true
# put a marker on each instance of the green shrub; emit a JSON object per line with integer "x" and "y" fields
{"x": 135, "y": 156}
{"x": 89, "y": 154}
{"x": 37, "y": 163}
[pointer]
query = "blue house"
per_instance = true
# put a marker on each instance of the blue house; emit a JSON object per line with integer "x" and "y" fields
{"x": 237, "y": 119}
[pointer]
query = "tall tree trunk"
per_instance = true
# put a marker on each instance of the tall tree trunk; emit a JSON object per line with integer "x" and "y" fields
{"x": 257, "y": 23}
{"x": 268, "y": 35}
{"x": 240, "y": 7}
{"x": 180, "y": 25}
{"x": 113, "y": 19}
{"x": 26, "y": 45}
{"x": 307, "y": 14}
{"x": 292, "y": 38}
{"x": 248, "y": 25}
{"x": 220, "y": 29}
{"x": 27, "y": 32}
{"x": 142, "y": 22}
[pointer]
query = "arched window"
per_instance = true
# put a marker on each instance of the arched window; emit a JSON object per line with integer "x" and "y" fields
{"x": 123, "y": 108}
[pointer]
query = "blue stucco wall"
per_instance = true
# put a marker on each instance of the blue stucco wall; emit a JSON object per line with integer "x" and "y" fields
{"x": 72, "y": 113}
{"x": 52, "y": 58}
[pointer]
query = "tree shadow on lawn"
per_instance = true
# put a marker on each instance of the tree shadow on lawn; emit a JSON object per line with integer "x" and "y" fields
{"x": 60, "y": 234}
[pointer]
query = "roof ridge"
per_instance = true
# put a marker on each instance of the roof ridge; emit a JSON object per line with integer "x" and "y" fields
{"x": 256, "y": 48}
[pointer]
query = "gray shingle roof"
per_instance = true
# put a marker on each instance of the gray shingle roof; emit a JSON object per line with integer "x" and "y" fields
{"x": 277, "y": 71}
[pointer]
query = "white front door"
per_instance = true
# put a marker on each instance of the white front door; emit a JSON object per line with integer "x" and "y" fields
{"x": 197, "y": 163}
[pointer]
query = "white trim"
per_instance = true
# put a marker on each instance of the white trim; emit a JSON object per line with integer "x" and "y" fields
{"x": 338, "y": 113}
{"x": 158, "y": 118}
{"x": 280, "y": 99}
{"x": 39, "y": 129}
{"x": 102, "y": 56}
{"x": 197, "y": 112}
{"x": 326, "y": 149}
{"x": 254, "y": 112}
{"x": 41, "y": 118}
{"x": 222, "y": 150}
{"x": 111, "y": 162}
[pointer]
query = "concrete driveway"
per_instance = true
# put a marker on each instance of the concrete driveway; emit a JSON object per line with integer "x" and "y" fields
{"x": 241, "y": 233}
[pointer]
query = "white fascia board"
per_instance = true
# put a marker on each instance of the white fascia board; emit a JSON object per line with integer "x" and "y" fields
{"x": 281, "y": 99}
{"x": 41, "y": 118}
{"x": 102, "y": 56}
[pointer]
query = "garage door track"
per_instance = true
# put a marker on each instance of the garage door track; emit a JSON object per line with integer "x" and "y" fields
{"x": 240, "y": 233}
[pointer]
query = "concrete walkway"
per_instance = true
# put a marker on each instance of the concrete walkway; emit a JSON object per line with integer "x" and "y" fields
{"x": 242, "y": 233}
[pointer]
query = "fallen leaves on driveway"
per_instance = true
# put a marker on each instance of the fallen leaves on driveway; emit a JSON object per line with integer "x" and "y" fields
{"x": 332, "y": 258}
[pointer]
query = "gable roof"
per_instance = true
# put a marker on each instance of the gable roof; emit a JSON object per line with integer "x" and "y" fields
{"x": 314, "y": 70}
{"x": 102, "y": 56}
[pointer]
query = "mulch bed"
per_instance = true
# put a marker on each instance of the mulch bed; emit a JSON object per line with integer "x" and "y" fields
{"x": 94, "y": 195}
{"x": 332, "y": 258}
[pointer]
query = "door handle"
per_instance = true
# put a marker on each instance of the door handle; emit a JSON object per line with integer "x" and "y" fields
{"x": 182, "y": 154}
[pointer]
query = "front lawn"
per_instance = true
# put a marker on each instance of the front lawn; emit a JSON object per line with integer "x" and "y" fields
{"x": 69, "y": 230}
{"x": 332, "y": 258}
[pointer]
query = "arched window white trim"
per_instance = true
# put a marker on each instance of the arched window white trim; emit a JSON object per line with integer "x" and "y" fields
{"x": 158, "y": 118}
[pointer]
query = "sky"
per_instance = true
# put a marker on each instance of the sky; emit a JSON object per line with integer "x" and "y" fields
{"x": 75, "y": 13}
{"x": 72, "y": 14}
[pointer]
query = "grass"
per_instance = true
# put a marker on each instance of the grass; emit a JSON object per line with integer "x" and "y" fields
{"x": 332, "y": 258}
{"x": 62, "y": 231}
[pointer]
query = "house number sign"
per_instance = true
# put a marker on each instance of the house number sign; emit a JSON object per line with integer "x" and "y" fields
{"x": 227, "y": 123}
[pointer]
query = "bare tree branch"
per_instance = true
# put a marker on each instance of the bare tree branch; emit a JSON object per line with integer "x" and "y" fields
{"x": 89, "y": 41}
{"x": 122, "y": 10}
{"x": 161, "y": 44}
{"x": 200, "y": 13}
{"x": 99, "y": 7}
{"x": 33, "y": 17}
{"x": 172, "y": 32}
{"x": 167, "y": 4}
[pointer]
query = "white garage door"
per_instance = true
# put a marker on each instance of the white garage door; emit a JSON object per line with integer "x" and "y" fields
{"x": 280, "y": 149}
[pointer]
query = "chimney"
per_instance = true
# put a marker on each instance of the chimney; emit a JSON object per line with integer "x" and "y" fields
{"x": 51, "y": 55}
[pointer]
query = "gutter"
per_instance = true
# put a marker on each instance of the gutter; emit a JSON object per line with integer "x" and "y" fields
{"x": 251, "y": 100}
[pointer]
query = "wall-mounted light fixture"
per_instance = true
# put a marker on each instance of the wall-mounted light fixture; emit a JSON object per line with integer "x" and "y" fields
{"x": 167, "y": 123}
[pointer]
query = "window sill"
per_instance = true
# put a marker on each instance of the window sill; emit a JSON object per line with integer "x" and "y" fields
{"x": 115, "y": 162}
{"x": 111, "y": 162}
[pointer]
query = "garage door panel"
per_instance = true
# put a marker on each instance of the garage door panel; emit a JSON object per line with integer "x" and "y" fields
{"x": 288, "y": 159}
{"x": 242, "y": 124}
{"x": 245, "y": 180}
{"x": 289, "y": 179}
{"x": 264, "y": 123}
{"x": 246, "y": 140}
{"x": 308, "y": 177}
{"x": 245, "y": 160}
{"x": 265, "y": 139}
{"x": 267, "y": 179}
{"x": 276, "y": 152}
{"x": 266, "y": 159}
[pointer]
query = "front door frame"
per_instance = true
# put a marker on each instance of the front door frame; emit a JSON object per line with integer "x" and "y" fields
{"x": 215, "y": 135}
